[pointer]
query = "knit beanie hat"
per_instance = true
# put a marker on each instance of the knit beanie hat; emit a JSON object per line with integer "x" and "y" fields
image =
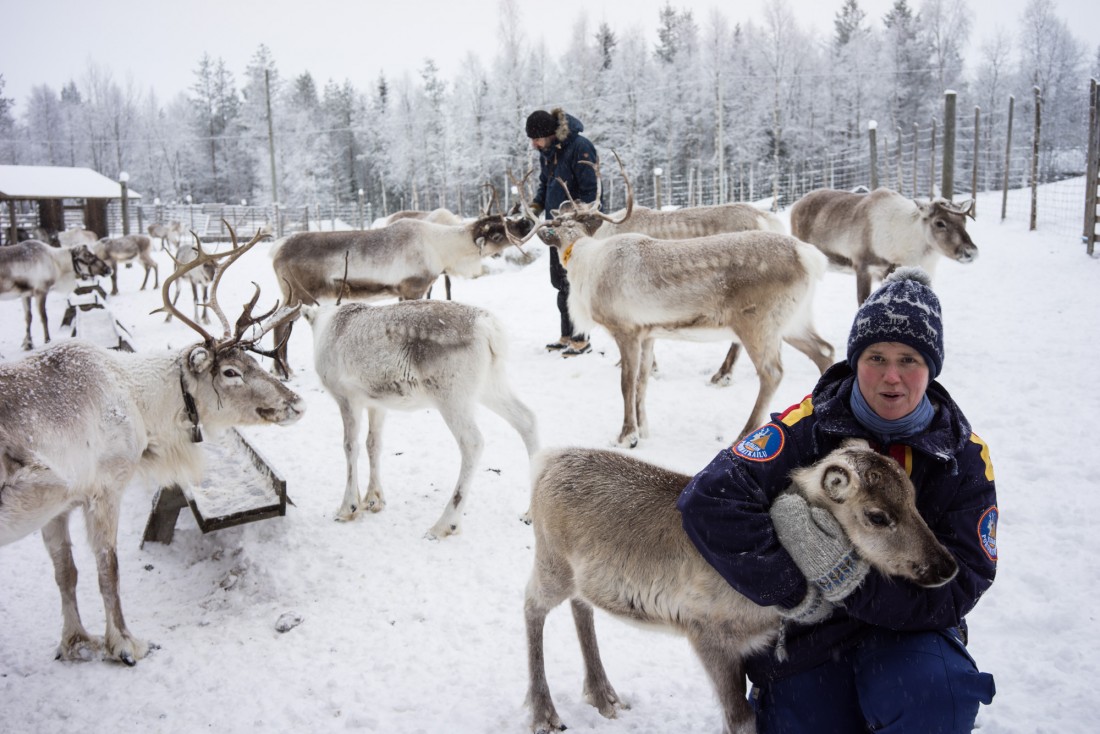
{"x": 905, "y": 310}
{"x": 541, "y": 124}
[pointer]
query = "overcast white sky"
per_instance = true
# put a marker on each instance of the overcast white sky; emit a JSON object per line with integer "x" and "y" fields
{"x": 157, "y": 45}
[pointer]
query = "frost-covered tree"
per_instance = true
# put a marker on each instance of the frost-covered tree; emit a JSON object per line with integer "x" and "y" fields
{"x": 214, "y": 117}
{"x": 912, "y": 91}
{"x": 948, "y": 24}
{"x": 44, "y": 118}
{"x": 1053, "y": 60}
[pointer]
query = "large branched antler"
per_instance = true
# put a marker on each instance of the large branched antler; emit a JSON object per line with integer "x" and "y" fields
{"x": 232, "y": 336}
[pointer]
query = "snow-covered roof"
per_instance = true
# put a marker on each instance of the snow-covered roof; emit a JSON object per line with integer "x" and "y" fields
{"x": 58, "y": 182}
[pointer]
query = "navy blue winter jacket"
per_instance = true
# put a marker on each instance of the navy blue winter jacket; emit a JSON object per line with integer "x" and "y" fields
{"x": 563, "y": 160}
{"x": 725, "y": 513}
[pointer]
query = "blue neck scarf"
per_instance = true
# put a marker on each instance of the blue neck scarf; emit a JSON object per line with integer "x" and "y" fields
{"x": 889, "y": 431}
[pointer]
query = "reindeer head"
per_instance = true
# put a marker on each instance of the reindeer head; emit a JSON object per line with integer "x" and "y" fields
{"x": 227, "y": 386}
{"x": 86, "y": 264}
{"x": 574, "y": 220}
{"x": 874, "y": 501}
{"x": 493, "y": 233}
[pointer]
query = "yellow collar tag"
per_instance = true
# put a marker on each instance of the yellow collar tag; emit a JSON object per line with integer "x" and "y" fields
{"x": 567, "y": 253}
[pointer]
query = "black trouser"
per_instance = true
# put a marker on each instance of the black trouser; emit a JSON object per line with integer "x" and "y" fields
{"x": 559, "y": 280}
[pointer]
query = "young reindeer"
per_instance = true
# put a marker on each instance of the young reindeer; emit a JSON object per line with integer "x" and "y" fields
{"x": 403, "y": 259}
{"x": 755, "y": 286}
{"x": 608, "y": 534}
{"x": 407, "y": 356}
{"x": 79, "y": 422}
{"x": 31, "y": 269}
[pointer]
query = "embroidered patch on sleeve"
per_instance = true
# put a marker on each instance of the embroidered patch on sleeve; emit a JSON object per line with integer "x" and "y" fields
{"x": 763, "y": 444}
{"x": 987, "y": 532}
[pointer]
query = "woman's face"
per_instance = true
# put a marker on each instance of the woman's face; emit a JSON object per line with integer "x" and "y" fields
{"x": 892, "y": 378}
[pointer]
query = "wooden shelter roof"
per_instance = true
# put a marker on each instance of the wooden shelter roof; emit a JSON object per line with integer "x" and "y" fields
{"x": 58, "y": 182}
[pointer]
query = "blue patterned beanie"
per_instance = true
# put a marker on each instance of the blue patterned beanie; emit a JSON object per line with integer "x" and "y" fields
{"x": 905, "y": 310}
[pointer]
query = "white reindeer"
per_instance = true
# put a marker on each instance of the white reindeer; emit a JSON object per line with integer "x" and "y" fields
{"x": 403, "y": 259}
{"x": 755, "y": 286}
{"x": 608, "y": 535}
{"x": 407, "y": 356}
{"x": 78, "y": 423}
{"x": 31, "y": 269}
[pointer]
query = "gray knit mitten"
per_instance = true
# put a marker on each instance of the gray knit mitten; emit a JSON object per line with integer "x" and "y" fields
{"x": 812, "y": 609}
{"x": 818, "y": 546}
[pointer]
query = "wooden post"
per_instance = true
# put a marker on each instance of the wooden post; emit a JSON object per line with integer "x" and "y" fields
{"x": 947, "y": 184}
{"x": 897, "y": 131}
{"x": 1008, "y": 156}
{"x": 1035, "y": 157}
{"x": 872, "y": 136}
{"x": 974, "y": 171}
{"x": 1093, "y": 167}
{"x": 916, "y": 156}
{"x": 932, "y": 170}
{"x": 271, "y": 138}
{"x": 657, "y": 188}
{"x": 125, "y": 201}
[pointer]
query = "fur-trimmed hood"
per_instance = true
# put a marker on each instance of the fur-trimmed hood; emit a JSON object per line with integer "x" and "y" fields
{"x": 567, "y": 124}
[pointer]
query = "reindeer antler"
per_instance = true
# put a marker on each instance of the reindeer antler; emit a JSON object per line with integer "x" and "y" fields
{"x": 232, "y": 336}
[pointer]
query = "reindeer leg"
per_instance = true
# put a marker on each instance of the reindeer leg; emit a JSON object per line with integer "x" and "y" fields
{"x": 630, "y": 348}
{"x": 504, "y": 403}
{"x": 76, "y": 643}
{"x": 459, "y": 417}
{"x": 863, "y": 284}
{"x": 645, "y": 368}
{"x": 597, "y": 688}
{"x": 375, "y": 501}
{"x": 28, "y": 342}
{"x": 101, "y": 519}
{"x": 721, "y": 658}
{"x": 813, "y": 346}
{"x": 724, "y": 375}
{"x": 769, "y": 370}
{"x": 545, "y": 590}
{"x": 45, "y": 319}
{"x": 350, "y": 414}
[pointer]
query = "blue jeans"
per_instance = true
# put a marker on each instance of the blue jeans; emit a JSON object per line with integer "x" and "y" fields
{"x": 893, "y": 682}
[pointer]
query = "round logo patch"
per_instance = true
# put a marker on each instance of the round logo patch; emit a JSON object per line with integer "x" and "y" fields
{"x": 763, "y": 444}
{"x": 987, "y": 532}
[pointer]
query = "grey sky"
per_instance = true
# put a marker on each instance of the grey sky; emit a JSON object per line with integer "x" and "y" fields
{"x": 156, "y": 46}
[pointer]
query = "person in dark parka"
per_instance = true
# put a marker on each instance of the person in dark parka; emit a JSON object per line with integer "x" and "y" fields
{"x": 858, "y": 651}
{"x": 565, "y": 157}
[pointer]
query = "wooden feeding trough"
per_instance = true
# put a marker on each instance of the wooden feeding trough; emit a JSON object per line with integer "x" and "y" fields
{"x": 238, "y": 486}
{"x": 90, "y": 319}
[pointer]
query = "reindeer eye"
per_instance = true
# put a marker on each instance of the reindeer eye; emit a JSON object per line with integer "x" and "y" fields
{"x": 877, "y": 518}
{"x": 230, "y": 372}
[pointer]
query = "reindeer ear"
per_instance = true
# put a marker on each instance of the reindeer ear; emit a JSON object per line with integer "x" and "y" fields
{"x": 200, "y": 360}
{"x": 835, "y": 482}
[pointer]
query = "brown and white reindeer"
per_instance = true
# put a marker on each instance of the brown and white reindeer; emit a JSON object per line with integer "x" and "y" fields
{"x": 756, "y": 287}
{"x": 873, "y": 234}
{"x": 31, "y": 269}
{"x": 412, "y": 355}
{"x": 608, "y": 535}
{"x": 122, "y": 250}
{"x": 79, "y": 422}
{"x": 403, "y": 259}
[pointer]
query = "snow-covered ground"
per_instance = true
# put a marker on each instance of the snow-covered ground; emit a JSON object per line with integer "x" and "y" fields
{"x": 402, "y": 634}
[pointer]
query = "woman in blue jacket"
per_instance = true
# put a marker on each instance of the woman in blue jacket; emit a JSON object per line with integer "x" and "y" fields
{"x": 859, "y": 652}
{"x": 566, "y": 160}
